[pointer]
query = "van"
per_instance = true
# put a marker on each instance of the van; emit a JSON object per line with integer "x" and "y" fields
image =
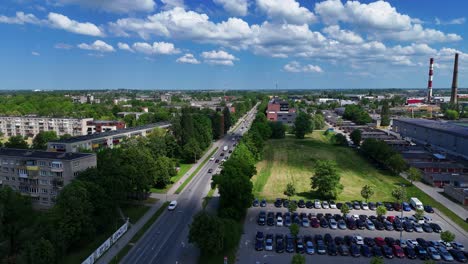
{"x": 416, "y": 204}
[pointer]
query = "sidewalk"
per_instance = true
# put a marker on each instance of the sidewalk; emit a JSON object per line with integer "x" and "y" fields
{"x": 123, "y": 241}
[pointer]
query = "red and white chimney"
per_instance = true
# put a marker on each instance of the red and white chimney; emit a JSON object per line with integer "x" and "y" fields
{"x": 429, "y": 83}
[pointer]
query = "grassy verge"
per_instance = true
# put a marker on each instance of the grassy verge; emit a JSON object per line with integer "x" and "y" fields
{"x": 181, "y": 187}
{"x": 123, "y": 252}
{"x": 183, "y": 169}
{"x": 134, "y": 211}
{"x": 208, "y": 197}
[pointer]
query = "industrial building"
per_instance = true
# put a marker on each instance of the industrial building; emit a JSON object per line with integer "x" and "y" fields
{"x": 102, "y": 140}
{"x": 278, "y": 110}
{"x": 439, "y": 135}
{"x": 40, "y": 174}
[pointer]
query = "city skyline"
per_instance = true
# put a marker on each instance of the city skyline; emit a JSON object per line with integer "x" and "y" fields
{"x": 188, "y": 45}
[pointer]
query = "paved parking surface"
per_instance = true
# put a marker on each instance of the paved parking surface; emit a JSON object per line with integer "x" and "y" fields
{"x": 248, "y": 254}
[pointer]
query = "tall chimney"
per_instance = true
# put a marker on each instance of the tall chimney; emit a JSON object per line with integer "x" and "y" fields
{"x": 453, "y": 96}
{"x": 429, "y": 83}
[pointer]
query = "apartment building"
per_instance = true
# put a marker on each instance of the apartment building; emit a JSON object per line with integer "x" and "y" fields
{"x": 99, "y": 126}
{"x": 41, "y": 175}
{"x": 31, "y": 125}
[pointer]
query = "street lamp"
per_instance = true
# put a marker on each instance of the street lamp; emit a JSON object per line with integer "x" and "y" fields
{"x": 401, "y": 229}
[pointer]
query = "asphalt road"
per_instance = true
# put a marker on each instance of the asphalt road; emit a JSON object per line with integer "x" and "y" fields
{"x": 247, "y": 253}
{"x": 166, "y": 241}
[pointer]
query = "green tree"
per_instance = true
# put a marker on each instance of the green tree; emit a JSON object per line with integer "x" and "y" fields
{"x": 326, "y": 179}
{"x": 385, "y": 114}
{"x": 345, "y": 209}
{"x": 278, "y": 130}
{"x": 399, "y": 194}
{"x": 290, "y": 190}
{"x": 381, "y": 210}
{"x": 41, "y": 139}
{"x": 217, "y": 123}
{"x": 294, "y": 229}
{"x": 414, "y": 174}
{"x": 235, "y": 191}
{"x": 292, "y": 207}
{"x": 164, "y": 170}
{"x": 319, "y": 121}
{"x": 302, "y": 125}
{"x": 191, "y": 151}
{"x": 396, "y": 163}
{"x": 339, "y": 139}
{"x": 367, "y": 191}
{"x": 17, "y": 142}
{"x": 207, "y": 232}
{"x": 419, "y": 214}
{"x": 356, "y": 137}
{"x": 41, "y": 251}
{"x": 451, "y": 114}
{"x": 227, "y": 119}
{"x": 447, "y": 236}
{"x": 298, "y": 259}
{"x": 376, "y": 260}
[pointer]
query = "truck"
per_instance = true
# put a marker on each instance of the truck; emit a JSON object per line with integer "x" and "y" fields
{"x": 416, "y": 204}
{"x": 225, "y": 148}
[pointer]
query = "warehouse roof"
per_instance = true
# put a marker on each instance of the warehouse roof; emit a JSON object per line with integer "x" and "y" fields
{"x": 443, "y": 126}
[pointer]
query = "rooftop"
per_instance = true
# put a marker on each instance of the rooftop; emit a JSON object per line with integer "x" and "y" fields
{"x": 112, "y": 133}
{"x": 39, "y": 154}
{"x": 443, "y": 126}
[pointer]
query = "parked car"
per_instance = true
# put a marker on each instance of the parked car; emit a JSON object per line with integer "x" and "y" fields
{"x": 333, "y": 224}
{"x": 325, "y": 205}
{"x": 300, "y": 245}
{"x": 324, "y": 223}
{"x": 389, "y": 206}
{"x": 387, "y": 251}
{"x": 278, "y": 202}
{"x": 364, "y": 206}
{"x": 396, "y": 206}
{"x": 314, "y": 222}
{"x": 427, "y": 228}
{"x": 261, "y": 218}
{"x": 339, "y": 205}
{"x": 317, "y": 204}
{"x": 259, "y": 241}
{"x": 279, "y": 241}
{"x": 369, "y": 241}
{"x": 379, "y": 241}
{"x": 343, "y": 250}
{"x": 356, "y": 205}
{"x": 332, "y": 249}
{"x": 406, "y": 207}
{"x": 354, "y": 251}
{"x": 285, "y": 203}
{"x": 301, "y": 204}
{"x": 379, "y": 225}
{"x": 421, "y": 252}
{"x": 410, "y": 253}
{"x": 435, "y": 227}
{"x": 305, "y": 222}
{"x": 269, "y": 242}
{"x": 397, "y": 225}
{"x": 366, "y": 251}
{"x": 351, "y": 223}
{"x": 388, "y": 225}
{"x": 458, "y": 246}
{"x": 428, "y": 209}
{"x": 332, "y": 205}
{"x": 270, "y": 219}
{"x": 408, "y": 226}
{"x": 417, "y": 227}
{"x": 339, "y": 240}
{"x": 444, "y": 254}
{"x": 433, "y": 253}
{"x": 358, "y": 240}
{"x": 370, "y": 225}
{"x": 279, "y": 221}
{"x": 289, "y": 243}
{"x": 372, "y": 206}
{"x": 377, "y": 251}
{"x": 263, "y": 203}
{"x": 309, "y": 204}
{"x": 255, "y": 203}
{"x": 360, "y": 224}
{"x": 398, "y": 251}
{"x": 390, "y": 241}
{"x": 458, "y": 255}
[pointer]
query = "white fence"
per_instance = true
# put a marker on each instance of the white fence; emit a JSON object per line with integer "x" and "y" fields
{"x": 106, "y": 245}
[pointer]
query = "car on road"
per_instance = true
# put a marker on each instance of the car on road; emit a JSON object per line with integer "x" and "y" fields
{"x": 217, "y": 161}
{"x": 210, "y": 170}
{"x": 212, "y": 158}
{"x": 428, "y": 209}
{"x": 269, "y": 242}
{"x": 172, "y": 205}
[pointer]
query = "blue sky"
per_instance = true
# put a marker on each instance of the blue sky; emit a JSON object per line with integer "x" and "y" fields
{"x": 230, "y": 44}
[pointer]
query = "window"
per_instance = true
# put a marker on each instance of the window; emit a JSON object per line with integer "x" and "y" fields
{"x": 44, "y": 190}
{"x": 22, "y": 172}
{"x": 43, "y": 173}
{"x": 42, "y": 163}
{"x": 44, "y": 182}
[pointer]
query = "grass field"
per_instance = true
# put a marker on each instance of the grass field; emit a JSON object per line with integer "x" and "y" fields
{"x": 134, "y": 211}
{"x": 183, "y": 169}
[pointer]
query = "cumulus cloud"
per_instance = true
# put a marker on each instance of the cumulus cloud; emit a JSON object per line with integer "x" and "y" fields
{"x": 124, "y": 46}
{"x": 188, "y": 58}
{"x": 344, "y": 36}
{"x": 170, "y": 4}
{"x": 20, "y": 18}
{"x": 114, "y": 6}
{"x": 234, "y": 7}
{"x": 63, "y": 46}
{"x": 287, "y": 10}
{"x": 156, "y": 48}
{"x": 295, "y": 66}
{"x": 379, "y": 19}
{"x": 97, "y": 45}
{"x": 220, "y": 57}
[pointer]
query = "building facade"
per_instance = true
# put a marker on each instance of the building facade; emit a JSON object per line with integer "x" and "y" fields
{"x": 41, "y": 175}
{"x": 30, "y": 126}
{"x": 278, "y": 110}
{"x": 100, "y": 126}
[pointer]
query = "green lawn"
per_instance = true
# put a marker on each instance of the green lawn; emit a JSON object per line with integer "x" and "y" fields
{"x": 134, "y": 211}
{"x": 183, "y": 169}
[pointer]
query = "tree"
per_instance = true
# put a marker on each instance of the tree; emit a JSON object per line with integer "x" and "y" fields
{"x": 447, "y": 236}
{"x": 278, "y": 130}
{"x": 376, "y": 260}
{"x": 207, "y": 232}
{"x": 17, "y": 142}
{"x": 419, "y": 214}
{"x": 451, "y": 114}
{"x": 164, "y": 170}
{"x": 381, "y": 210}
{"x": 345, "y": 209}
{"x": 399, "y": 194}
{"x": 41, "y": 251}
{"x": 319, "y": 121}
{"x": 367, "y": 191}
{"x": 235, "y": 191}
{"x": 326, "y": 179}
{"x": 302, "y": 125}
{"x": 41, "y": 139}
{"x": 294, "y": 229}
{"x": 292, "y": 207}
{"x": 227, "y": 119}
{"x": 396, "y": 163}
{"x": 356, "y": 137}
{"x": 298, "y": 259}
{"x": 191, "y": 151}
{"x": 414, "y": 174}
{"x": 385, "y": 114}
{"x": 290, "y": 190}
{"x": 339, "y": 139}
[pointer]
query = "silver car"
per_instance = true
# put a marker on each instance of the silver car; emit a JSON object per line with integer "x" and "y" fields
{"x": 317, "y": 204}
{"x": 325, "y": 205}
{"x": 333, "y": 224}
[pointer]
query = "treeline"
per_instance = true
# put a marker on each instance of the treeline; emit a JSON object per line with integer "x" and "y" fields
{"x": 357, "y": 114}
{"x": 39, "y": 141}
{"x": 382, "y": 153}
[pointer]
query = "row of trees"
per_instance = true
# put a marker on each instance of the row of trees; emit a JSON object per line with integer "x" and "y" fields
{"x": 357, "y": 114}
{"x": 382, "y": 153}
{"x": 39, "y": 141}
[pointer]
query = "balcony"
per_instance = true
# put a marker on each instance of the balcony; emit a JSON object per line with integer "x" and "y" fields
{"x": 32, "y": 167}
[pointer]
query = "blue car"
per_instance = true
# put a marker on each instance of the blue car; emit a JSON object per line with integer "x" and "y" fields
{"x": 406, "y": 207}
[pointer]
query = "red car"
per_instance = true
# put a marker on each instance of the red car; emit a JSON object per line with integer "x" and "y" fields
{"x": 398, "y": 251}
{"x": 314, "y": 223}
{"x": 379, "y": 241}
{"x": 391, "y": 218}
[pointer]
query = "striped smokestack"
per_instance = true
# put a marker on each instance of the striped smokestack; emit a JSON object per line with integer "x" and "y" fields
{"x": 453, "y": 96}
{"x": 429, "y": 83}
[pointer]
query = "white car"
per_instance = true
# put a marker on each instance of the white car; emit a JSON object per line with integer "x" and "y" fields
{"x": 279, "y": 221}
{"x": 317, "y": 204}
{"x": 358, "y": 240}
{"x": 325, "y": 205}
{"x": 172, "y": 205}
{"x": 212, "y": 158}
{"x": 364, "y": 206}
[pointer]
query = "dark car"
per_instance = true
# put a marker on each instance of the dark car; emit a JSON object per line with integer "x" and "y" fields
{"x": 324, "y": 223}
{"x": 379, "y": 204}
{"x": 285, "y": 203}
{"x": 396, "y": 206}
{"x": 301, "y": 204}
{"x": 300, "y": 248}
{"x": 343, "y": 250}
{"x": 263, "y": 203}
{"x": 255, "y": 203}
{"x": 422, "y": 242}
{"x": 360, "y": 224}
{"x": 436, "y": 227}
{"x": 259, "y": 241}
{"x": 410, "y": 253}
{"x": 348, "y": 240}
{"x": 427, "y": 228}
{"x": 408, "y": 226}
{"x": 388, "y": 225}
{"x": 279, "y": 239}
{"x": 350, "y": 205}
{"x": 339, "y": 205}
{"x": 397, "y": 225}
{"x": 338, "y": 217}
{"x": 327, "y": 238}
{"x": 309, "y": 204}
{"x": 289, "y": 243}
{"x": 428, "y": 209}
{"x": 318, "y": 238}
{"x": 321, "y": 248}
{"x": 387, "y": 251}
{"x": 354, "y": 250}
{"x": 271, "y": 219}
{"x": 369, "y": 241}
{"x": 458, "y": 255}
{"x": 332, "y": 249}
{"x": 389, "y": 206}
{"x": 377, "y": 251}
{"x": 217, "y": 161}
{"x": 379, "y": 225}
{"x": 339, "y": 240}
{"x": 261, "y": 218}
{"x": 421, "y": 252}
{"x": 390, "y": 241}
{"x": 372, "y": 206}
{"x": 351, "y": 224}
{"x": 314, "y": 222}
{"x": 278, "y": 202}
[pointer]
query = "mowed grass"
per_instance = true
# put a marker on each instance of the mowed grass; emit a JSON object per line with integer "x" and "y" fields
{"x": 292, "y": 160}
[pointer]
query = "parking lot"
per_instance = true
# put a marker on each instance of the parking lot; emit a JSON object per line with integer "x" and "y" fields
{"x": 248, "y": 254}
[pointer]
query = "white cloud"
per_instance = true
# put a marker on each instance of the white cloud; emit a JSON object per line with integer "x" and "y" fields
{"x": 287, "y": 10}
{"x": 295, "y": 66}
{"x": 63, "y": 46}
{"x": 157, "y": 48}
{"x": 97, "y": 45}
{"x": 124, "y": 46}
{"x": 344, "y": 36}
{"x": 220, "y": 57}
{"x": 20, "y": 18}
{"x": 35, "y": 53}
{"x": 455, "y": 21}
{"x": 188, "y": 58}
{"x": 170, "y": 4}
{"x": 380, "y": 20}
{"x": 63, "y": 22}
{"x": 114, "y": 6}
{"x": 234, "y": 7}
